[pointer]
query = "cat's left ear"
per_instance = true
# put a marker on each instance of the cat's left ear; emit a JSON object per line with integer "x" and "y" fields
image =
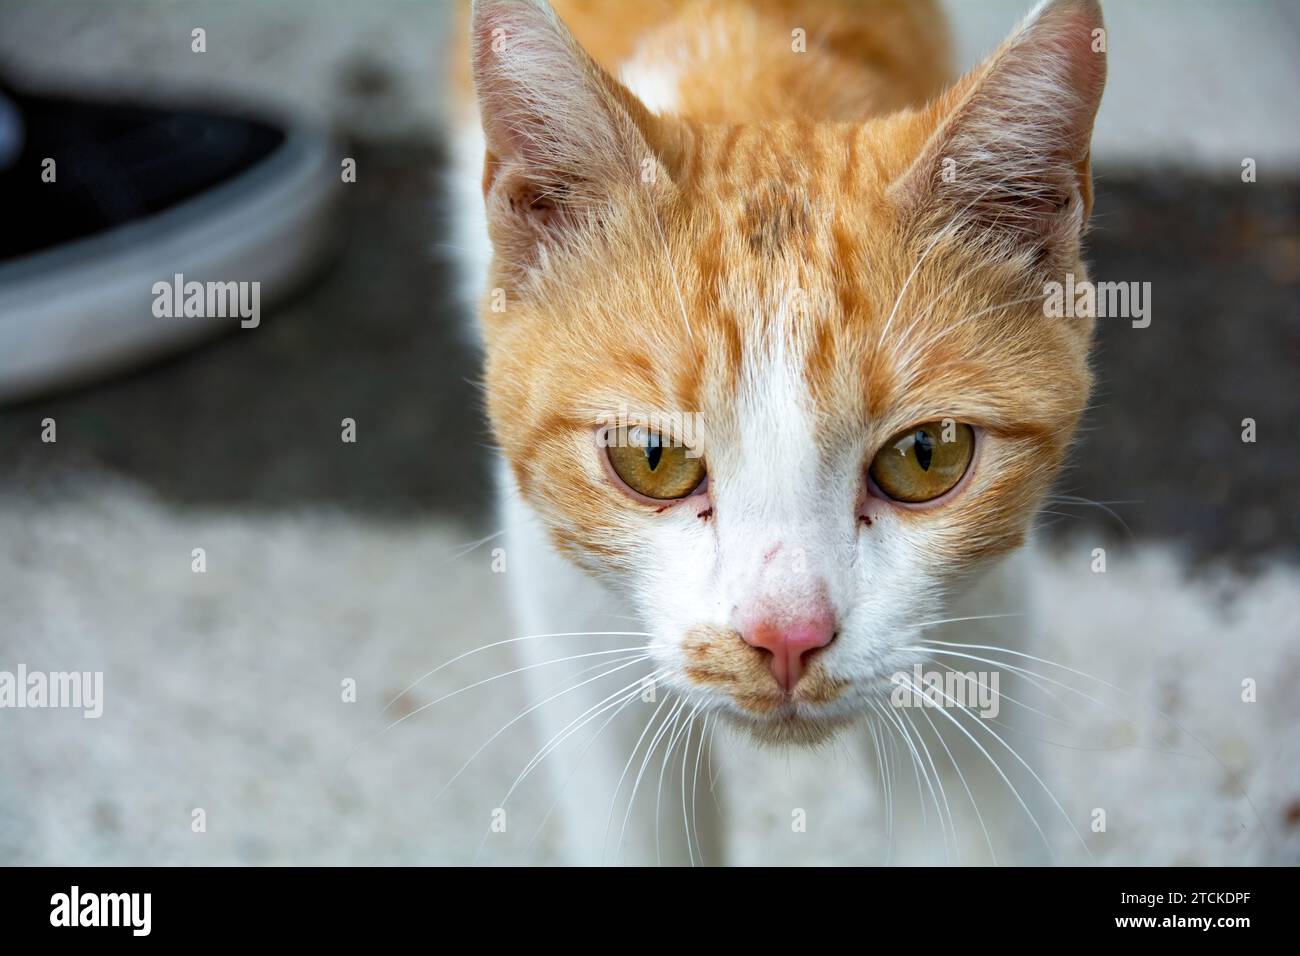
{"x": 566, "y": 142}
{"x": 1007, "y": 162}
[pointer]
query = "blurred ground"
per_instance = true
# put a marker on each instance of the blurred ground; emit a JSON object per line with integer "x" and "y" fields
{"x": 330, "y": 561}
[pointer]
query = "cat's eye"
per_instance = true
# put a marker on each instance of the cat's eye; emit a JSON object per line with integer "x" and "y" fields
{"x": 652, "y": 465}
{"x": 924, "y": 461}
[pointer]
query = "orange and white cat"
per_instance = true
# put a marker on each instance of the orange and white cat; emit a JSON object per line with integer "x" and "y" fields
{"x": 767, "y": 362}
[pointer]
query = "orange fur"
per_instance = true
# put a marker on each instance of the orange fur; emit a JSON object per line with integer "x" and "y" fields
{"x": 870, "y": 56}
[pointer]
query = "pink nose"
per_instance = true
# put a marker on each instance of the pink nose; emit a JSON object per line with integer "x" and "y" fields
{"x": 789, "y": 643}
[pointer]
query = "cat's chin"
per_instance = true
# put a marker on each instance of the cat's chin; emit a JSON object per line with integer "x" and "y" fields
{"x": 790, "y": 727}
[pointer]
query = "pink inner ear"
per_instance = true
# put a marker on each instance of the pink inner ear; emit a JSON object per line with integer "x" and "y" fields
{"x": 539, "y": 102}
{"x": 545, "y": 104}
{"x": 1083, "y": 71}
{"x": 561, "y": 141}
{"x": 1048, "y": 82}
{"x": 507, "y": 96}
{"x": 1019, "y": 138}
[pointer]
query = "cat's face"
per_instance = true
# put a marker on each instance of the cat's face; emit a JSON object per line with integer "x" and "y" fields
{"x": 785, "y": 387}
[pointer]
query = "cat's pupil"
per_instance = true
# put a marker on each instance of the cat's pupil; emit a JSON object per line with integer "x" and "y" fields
{"x": 653, "y": 453}
{"x": 924, "y": 448}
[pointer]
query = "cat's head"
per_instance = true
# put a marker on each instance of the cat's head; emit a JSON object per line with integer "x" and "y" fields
{"x": 784, "y": 386}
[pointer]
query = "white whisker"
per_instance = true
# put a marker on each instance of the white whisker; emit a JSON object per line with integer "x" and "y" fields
{"x": 1005, "y": 779}
{"x": 917, "y": 768}
{"x": 671, "y": 716}
{"x": 674, "y": 737}
{"x": 1046, "y": 789}
{"x": 496, "y": 677}
{"x": 609, "y": 820}
{"x": 695, "y": 783}
{"x": 578, "y": 761}
{"x": 880, "y": 766}
{"x": 952, "y": 824}
{"x": 618, "y": 698}
{"x": 988, "y": 840}
{"x": 524, "y": 713}
{"x": 514, "y": 640}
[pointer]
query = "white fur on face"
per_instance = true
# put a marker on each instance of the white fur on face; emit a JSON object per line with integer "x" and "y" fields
{"x": 784, "y": 540}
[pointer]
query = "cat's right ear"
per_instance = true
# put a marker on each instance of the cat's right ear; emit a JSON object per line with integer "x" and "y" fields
{"x": 565, "y": 140}
{"x": 1009, "y": 152}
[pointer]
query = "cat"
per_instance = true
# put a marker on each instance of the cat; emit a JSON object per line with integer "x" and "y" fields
{"x": 761, "y": 306}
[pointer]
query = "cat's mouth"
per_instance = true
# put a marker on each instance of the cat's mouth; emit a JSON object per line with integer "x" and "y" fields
{"x": 719, "y": 660}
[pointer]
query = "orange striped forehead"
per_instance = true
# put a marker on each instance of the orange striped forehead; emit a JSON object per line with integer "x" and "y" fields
{"x": 783, "y": 231}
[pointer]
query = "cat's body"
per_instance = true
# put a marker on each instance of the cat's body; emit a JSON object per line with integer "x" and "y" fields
{"x": 748, "y": 231}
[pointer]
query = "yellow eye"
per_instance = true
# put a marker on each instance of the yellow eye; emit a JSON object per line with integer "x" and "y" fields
{"x": 923, "y": 462}
{"x": 652, "y": 465}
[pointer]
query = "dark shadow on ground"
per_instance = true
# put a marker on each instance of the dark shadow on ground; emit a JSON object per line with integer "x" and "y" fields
{"x": 253, "y": 419}
{"x": 1223, "y": 345}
